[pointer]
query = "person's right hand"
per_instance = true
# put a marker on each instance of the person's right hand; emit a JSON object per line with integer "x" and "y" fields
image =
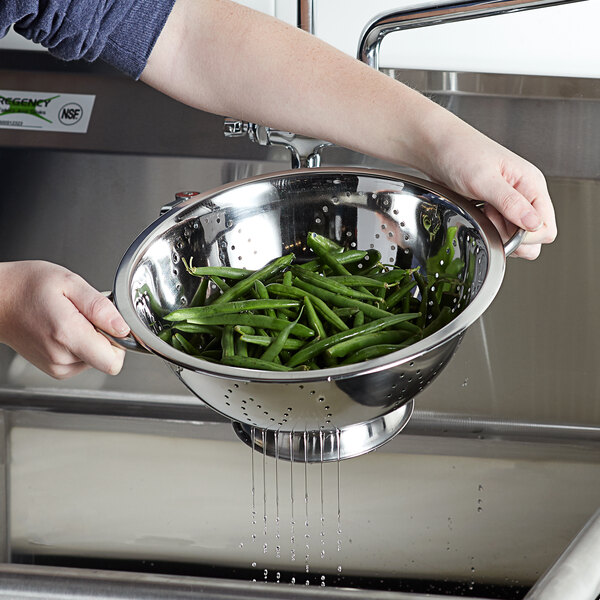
{"x": 48, "y": 315}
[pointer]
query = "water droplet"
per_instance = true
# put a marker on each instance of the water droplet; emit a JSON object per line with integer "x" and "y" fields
{"x": 339, "y": 569}
{"x": 254, "y": 564}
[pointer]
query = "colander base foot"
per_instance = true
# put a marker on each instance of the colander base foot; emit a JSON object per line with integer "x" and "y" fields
{"x": 323, "y": 445}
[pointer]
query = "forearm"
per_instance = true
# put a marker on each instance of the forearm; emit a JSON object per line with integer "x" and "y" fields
{"x": 221, "y": 57}
{"x": 226, "y": 59}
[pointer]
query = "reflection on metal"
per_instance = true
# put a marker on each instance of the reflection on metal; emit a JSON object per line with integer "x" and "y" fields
{"x": 318, "y": 446}
{"x": 306, "y": 15}
{"x": 305, "y": 151}
{"x": 575, "y": 575}
{"x": 499, "y": 85}
{"x": 400, "y": 20}
{"x": 23, "y": 582}
{"x": 4, "y": 488}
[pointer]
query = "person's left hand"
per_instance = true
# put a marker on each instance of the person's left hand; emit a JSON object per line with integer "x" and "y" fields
{"x": 49, "y": 315}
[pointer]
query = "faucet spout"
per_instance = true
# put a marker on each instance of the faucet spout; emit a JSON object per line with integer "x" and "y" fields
{"x": 450, "y": 12}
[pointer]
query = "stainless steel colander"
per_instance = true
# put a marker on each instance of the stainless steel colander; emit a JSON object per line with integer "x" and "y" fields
{"x": 333, "y": 413}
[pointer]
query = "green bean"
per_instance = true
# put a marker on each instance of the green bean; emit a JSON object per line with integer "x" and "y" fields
{"x": 355, "y": 280}
{"x": 224, "y": 272}
{"x": 328, "y": 284}
{"x": 338, "y": 300}
{"x": 294, "y": 292}
{"x": 186, "y": 314}
{"x": 324, "y": 242}
{"x": 194, "y": 328}
{"x": 286, "y": 314}
{"x": 287, "y": 278}
{"x": 344, "y": 258}
{"x": 227, "y": 341}
{"x": 244, "y": 285}
{"x": 424, "y": 297}
{"x": 246, "y": 362}
{"x": 394, "y": 298}
{"x": 211, "y": 356}
{"x": 313, "y": 318}
{"x": 261, "y": 291}
{"x": 262, "y": 321}
{"x": 220, "y": 283}
{"x": 176, "y": 343}
{"x": 165, "y": 335}
{"x": 276, "y": 346}
{"x": 265, "y": 340}
{"x": 314, "y": 348}
{"x": 359, "y": 319}
{"x": 371, "y": 352}
{"x": 444, "y": 317}
{"x": 394, "y": 336}
{"x": 372, "y": 257}
{"x": 394, "y": 275}
{"x": 185, "y": 345}
{"x": 241, "y": 347}
{"x": 199, "y": 297}
{"x": 244, "y": 330}
{"x": 315, "y": 243}
{"x": 345, "y": 312}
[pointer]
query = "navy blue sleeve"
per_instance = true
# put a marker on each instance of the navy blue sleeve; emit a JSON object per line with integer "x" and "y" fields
{"x": 120, "y": 32}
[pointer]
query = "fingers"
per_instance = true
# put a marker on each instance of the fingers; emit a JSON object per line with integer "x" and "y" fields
{"x": 529, "y": 249}
{"x": 96, "y": 307}
{"x": 535, "y": 190}
{"x": 93, "y": 309}
{"x": 514, "y": 206}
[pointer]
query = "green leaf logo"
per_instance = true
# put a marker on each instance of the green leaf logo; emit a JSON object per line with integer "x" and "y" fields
{"x": 27, "y": 106}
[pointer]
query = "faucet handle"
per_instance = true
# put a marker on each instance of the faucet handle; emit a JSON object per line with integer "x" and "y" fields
{"x": 235, "y": 127}
{"x": 305, "y": 151}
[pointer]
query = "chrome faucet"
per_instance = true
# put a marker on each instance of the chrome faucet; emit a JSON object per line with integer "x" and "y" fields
{"x": 305, "y": 151}
{"x": 400, "y": 20}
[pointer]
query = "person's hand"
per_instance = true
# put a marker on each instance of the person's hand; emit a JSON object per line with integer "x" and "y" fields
{"x": 48, "y": 314}
{"x": 515, "y": 191}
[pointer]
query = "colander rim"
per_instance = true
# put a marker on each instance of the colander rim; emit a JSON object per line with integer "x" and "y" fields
{"x": 149, "y": 340}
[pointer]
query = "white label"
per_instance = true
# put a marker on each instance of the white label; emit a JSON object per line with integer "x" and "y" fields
{"x": 45, "y": 111}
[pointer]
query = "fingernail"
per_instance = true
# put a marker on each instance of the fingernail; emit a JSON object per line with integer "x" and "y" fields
{"x": 531, "y": 221}
{"x": 119, "y": 326}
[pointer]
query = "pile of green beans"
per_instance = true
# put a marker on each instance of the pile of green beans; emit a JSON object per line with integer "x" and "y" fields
{"x": 344, "y": 306}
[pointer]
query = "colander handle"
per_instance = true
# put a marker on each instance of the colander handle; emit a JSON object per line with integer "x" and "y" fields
{"x": 514, "y": 242}
{"x": 126, "y": 343}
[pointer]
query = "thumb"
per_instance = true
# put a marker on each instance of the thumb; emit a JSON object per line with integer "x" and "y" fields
{"x": 514, "y": 206}
{"x": 96, "y": 308}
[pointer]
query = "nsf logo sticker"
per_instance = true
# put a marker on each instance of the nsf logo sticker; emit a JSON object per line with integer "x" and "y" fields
{"x": 45, "y": 111}
{"x": 70, "y": 113}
